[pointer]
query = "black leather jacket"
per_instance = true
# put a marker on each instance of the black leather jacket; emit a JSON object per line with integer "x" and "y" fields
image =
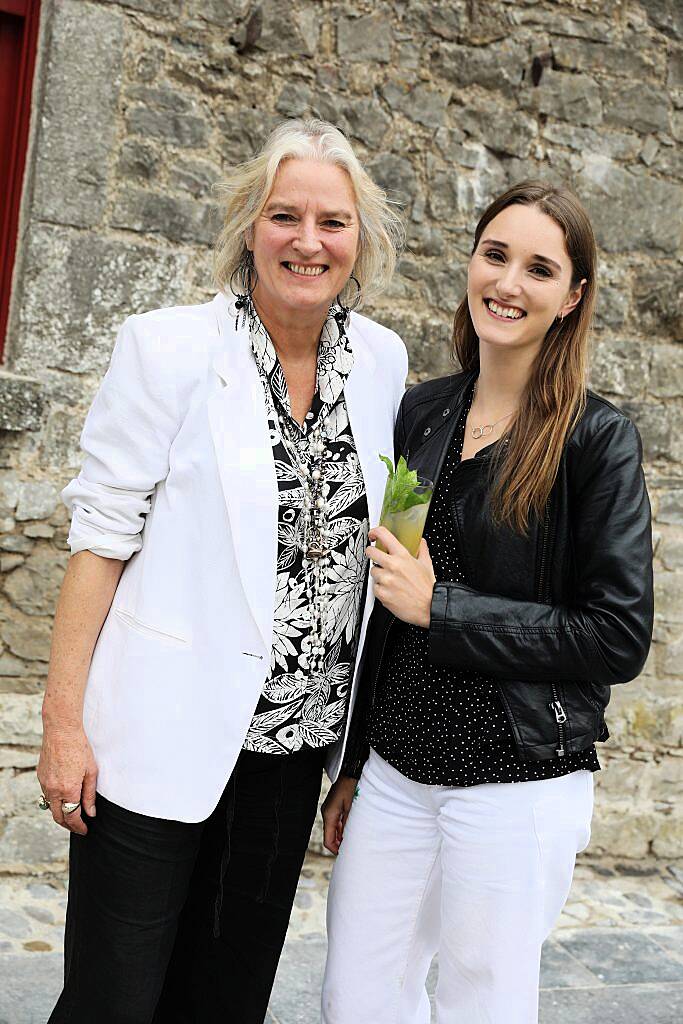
{"x": 554, "y": 617}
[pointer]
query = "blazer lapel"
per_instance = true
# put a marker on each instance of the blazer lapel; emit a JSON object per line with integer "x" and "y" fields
{"x": 239, "y": 428}
{"x": 371, "y": 421}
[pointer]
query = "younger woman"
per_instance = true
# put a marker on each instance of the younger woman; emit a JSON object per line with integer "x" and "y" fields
{"x": 489, "y": 661}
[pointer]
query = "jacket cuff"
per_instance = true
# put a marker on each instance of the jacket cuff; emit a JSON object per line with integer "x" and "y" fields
{"x": 437, "y": 622}
{"x": 352, "y": 766}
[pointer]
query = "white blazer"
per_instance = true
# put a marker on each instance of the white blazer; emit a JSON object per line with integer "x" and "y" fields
{"x": 178, "y": 480}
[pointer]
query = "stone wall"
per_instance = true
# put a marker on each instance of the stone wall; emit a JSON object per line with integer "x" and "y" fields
{"x": 140, "y": 104}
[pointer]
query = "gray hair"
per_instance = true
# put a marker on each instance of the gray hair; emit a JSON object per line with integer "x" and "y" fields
{"x": 245, "y": 191}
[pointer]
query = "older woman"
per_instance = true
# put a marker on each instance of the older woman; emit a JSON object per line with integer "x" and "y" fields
{"x": 206, "y": 635}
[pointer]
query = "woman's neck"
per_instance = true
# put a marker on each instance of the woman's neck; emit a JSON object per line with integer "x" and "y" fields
{"x": 503, "y": 377}
{"x": 295, "y": 336}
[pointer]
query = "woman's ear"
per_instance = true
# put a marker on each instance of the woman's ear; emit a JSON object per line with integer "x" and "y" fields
{"x": 573, "y": 299}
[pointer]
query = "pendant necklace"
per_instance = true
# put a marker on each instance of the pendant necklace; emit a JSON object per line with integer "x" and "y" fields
{"x": 486, "y": 428}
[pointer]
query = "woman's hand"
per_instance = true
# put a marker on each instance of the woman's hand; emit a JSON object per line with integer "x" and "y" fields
{"x": 335, "y": 810}
{"x": 67, "y": 772}
{"x": 402, "y": 583}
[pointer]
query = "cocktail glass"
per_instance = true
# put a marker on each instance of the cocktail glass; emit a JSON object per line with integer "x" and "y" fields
{"x": 408, "y": 525}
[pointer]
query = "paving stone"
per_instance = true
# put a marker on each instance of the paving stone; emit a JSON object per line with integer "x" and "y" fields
{"x": 631, "y": 1005}
{"x": 30, "y": 987}
{"x": 670, "y": 939}
{"x": 621, "y": 957}
{"x": 561, "y": 970}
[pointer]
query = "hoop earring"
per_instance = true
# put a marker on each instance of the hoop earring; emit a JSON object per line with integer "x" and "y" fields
{"x": 342, "y": 315}
{"x": 247, "y": 279}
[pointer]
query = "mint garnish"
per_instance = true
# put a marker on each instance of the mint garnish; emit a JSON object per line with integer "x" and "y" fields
{"x": 401, "y": 493}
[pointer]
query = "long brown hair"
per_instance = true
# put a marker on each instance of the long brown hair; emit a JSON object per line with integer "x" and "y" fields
{"x": 524, "y": 469}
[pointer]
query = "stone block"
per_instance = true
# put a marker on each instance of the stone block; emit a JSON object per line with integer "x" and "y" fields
{"x": 288, "y": 30}
{"x": 452, "y": 191}
{"x": 183, "y": 130}
{"x": 668, "y": 840}
{"x": 669, "y": 596}
{"x": 79, "y": 287}
{"x": 613, "y": 144}
{"x": 149, "y": 63}
{"x": 666, "y": 15}
{"x": 37, "y": 500}
{"x": 175, "y": 218}
{"x": 672, "y": 662}
{"x": 666, "y": 376}
{"x": 499, "y": 128}
{"x": 420, "y": 103}
{"x": 60, "y": 447}
{"x": 674, "y": 77}
{"x": 15, "y": 542}
{"x": 613, "y": 304}
{"x": 20, "y": 720}
{"x": 636, "y": 105}
{"x": 21, "y": 403}
{"x": 10, "y": 489}
{"x": 138, "y": 160}
{"x": 614, "y": 197}
{"x": 658, "y": 297}
{"x": 34, "y": 588}
{"x": 11, "y": 757}
{"x": 78, "y": 114}
{"x": 619, "y": 831}
{"x": 243, "y": 132}
{"x": 10, "y": 562}
{"x": 18, "y": 791}
{"x": 566, "y": 97}
{"x": 634, "y": 60}
{"x": 169, "y": 9}
{"x": 33, "y": 844}
{"x": 500, "y": 66}
{"x": 428, "y": 341}
{"x": 447, "y": 21}
{"x": 13, "y": 668}
{"x": 27, "y": 637}
{"x": 365, "y": 120}
{"x": 396, "y": 175}
{"x": 671, "y": 548}
{"x": 367, "y": 38}
{"x": 619, "y": 367}
{"x": 195, "y": 176}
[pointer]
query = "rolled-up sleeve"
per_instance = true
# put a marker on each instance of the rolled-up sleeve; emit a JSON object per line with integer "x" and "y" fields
{"x": 126, "y": 441}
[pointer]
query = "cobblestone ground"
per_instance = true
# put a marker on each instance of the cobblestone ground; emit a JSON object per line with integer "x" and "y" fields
{"x": 616, "y": 956}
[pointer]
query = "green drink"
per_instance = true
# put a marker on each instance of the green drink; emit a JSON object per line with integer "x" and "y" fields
{"x": 406, "y": 504}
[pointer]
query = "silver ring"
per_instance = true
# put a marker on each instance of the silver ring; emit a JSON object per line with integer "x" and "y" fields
{"x": 68, "y": 807}
{"x": 43, "y": 805}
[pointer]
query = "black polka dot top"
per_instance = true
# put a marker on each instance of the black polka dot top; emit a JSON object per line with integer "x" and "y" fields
{"x": 438, "y": 725}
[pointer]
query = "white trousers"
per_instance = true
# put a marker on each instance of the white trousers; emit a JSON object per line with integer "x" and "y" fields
{"x": 477, "y": 875}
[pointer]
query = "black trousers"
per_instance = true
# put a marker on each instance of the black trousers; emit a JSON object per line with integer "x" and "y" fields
{"x": 176, "y": 923}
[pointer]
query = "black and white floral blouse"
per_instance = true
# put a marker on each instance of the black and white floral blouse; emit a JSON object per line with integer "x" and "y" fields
{"x": 299, "y": 707}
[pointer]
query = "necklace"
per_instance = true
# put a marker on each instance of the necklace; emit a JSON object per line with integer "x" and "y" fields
{"x": 308, "y": 453}
{"x": 486, "y": 428}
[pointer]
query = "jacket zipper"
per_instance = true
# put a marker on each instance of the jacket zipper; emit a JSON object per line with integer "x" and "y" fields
{"x": 555, "y": 704}
{"x": 560, "y": 718}
{"x": 379, "y": 666}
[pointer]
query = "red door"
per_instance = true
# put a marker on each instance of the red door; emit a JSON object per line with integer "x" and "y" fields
{"x": 18, "y": 37}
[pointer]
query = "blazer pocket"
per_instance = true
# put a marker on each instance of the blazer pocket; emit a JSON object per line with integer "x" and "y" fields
{"x": 149, "y": 631}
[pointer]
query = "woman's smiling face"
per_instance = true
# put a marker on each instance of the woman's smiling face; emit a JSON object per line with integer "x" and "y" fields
{"x": 305, "y": 241}
{"x": 520, "y": 278}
